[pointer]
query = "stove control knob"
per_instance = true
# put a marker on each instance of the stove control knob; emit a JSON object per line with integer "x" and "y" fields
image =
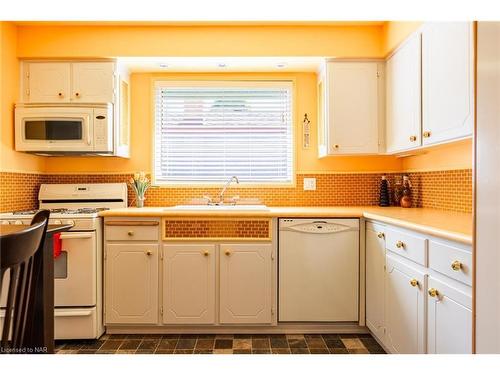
{"x": 57, "y": 222}
{"x": 18, "y": 222}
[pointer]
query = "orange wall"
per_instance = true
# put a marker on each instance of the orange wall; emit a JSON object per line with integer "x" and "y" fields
{"x": 11, "y": 160}
{"x": 142, "y": 124}
{"x": 395, "y": 32}
{"x": 111, "y": 41}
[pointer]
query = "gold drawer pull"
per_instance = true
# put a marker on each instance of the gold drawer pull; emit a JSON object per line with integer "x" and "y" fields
{"x": 413, "y": 138}
{"x": 414, "y": 282}
{"x": 380, "y": 235}
{"x": 336, "y": 146}
{"x": 149, "y": 253}
{"x": 426, "y": 134}
{"x": 206, "y": 253}
{"x": 130, "y": 233}
{"x": 433, "y": 292}
{"x": 400, "y": 244}
{"x": 456, "y": 265}
{"x": 227, "y": 252}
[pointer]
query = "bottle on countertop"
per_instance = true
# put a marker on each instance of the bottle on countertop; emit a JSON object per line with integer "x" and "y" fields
{"x": 384, "y": 197}
{"x": 406, "y": 195}
{"x": 398, "y": 190}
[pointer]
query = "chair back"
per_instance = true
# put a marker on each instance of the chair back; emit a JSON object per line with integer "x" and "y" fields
{"x": 18, "y": 250}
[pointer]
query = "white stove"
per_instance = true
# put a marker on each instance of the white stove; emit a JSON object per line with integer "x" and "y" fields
{"x": 78, "y": 283}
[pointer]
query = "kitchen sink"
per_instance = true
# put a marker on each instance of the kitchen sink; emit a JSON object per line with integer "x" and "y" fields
{"x": 225, "y": 207}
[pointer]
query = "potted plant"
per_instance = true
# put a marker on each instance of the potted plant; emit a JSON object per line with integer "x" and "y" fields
{"x": 140, "y": 184}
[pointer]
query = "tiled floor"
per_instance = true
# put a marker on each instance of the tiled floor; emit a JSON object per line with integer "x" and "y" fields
{"x": 224, "y": 344}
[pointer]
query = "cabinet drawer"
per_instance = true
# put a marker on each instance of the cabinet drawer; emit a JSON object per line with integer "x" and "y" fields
{"x": 451, "y": 260}
{"x": 117, "y": 230}
{"x": 407, "y": 245}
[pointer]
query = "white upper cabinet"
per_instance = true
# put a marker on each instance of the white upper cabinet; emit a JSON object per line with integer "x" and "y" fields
{"x": 69, "y": 82}
{"x": 93, "y": 82}
{"x": 447, "y": 81}
{"x": 48, "y": 82}
{"x": 403, "y": 104}
{"x": 349, "y": 115}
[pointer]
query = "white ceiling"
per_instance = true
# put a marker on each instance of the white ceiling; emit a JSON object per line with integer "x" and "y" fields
{"x": 221, "y": 64}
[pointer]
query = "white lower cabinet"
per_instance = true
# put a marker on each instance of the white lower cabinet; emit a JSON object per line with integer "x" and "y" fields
{"x": 189, "y": 284}
{"x": 449, "y": 318}
{"x": 428, "y": 306}
{"x": 375, "y": 270}
{"x": 246, "y": 288}
{"x": 131, "y": 283}
{"x": 404, "y": 307}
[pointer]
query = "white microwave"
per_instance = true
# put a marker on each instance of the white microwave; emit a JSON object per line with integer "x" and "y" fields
{"x": 45, "y": 129}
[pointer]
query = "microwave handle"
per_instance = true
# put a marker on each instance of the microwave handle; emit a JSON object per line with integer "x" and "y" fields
{"x": 89, "y": 141}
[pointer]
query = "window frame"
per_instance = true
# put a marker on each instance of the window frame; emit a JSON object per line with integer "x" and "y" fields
{"x": 270, "y": 82}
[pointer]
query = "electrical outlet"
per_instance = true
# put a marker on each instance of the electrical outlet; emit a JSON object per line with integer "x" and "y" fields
{"x": 309, "y": 183}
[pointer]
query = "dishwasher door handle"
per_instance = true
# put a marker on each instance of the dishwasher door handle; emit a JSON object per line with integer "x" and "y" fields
{"x": 318, "y": 227}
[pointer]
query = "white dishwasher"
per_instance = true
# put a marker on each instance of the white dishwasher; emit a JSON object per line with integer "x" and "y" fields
{"x": 318, "y": 270}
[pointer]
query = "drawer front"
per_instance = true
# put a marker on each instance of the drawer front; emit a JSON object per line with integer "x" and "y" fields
{"x": 75, "y": 324}
{"x": 407, "y": 244}
{"x": 452, "y": 260}
{"x": 132, "y": 231}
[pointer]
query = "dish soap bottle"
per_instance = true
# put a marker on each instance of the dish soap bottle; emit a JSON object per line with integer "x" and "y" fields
{"x": 406, "y": 196}
{"x": 384, "y": 200}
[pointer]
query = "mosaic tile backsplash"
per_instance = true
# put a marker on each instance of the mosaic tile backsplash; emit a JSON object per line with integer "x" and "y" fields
{"x": 445, "y": 190}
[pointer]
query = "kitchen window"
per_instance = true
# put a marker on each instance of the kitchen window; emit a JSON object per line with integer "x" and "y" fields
{"x": 206, "y": 132}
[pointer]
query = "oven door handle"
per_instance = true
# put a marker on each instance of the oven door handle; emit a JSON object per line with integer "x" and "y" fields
{"x": 72, "y": 313}
{"x": 72, "y": 236}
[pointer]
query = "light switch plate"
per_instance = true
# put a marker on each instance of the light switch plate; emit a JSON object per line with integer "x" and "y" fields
{"x": 310, "y": 183}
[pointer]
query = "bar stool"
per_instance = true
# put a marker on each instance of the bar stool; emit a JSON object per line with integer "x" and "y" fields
{"x": 18, "y": 250}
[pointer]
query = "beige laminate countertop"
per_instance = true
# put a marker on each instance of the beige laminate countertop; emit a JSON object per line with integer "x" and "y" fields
{"x": 449, "y": 225}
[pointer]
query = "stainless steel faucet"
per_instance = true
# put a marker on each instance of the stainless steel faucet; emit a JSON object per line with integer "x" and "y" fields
{"x": 226, "y": 185}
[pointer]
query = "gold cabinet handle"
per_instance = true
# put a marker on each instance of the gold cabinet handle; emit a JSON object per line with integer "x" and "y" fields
{"x": 336, "y": 146}
{"x": 149, "y": 252}
{"x": 413, "y": 138}
{"x": 130, "y": 233}
{"x": 206, "y": 253}
{"x": 456, "y": 265}
{"x": 433, "y": 292}
{"x": 60, "y": 94}
{"x": 426, "y": 134}
{"x": 77, "y": 94}
{"x": 227, "y": 252}
{"x": 380, "y": 235}
{"x": 400, "y": 244}
{"x": 414, "y": 282}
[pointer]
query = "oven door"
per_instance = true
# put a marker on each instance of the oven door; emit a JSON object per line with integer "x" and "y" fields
{"x": 54, "y": 129}
{"x": 75, "y": 270}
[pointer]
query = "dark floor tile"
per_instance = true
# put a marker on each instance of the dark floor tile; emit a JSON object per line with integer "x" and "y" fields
{"x": 73, "y": 345}
{"x": 153, "y": 336}
{"x": 312, "y": 336}
{"x": 223, "y": 344}
{"x": 376, "y": 350}
{"x": 319, "y": 351}
{"x": 111, "y": 345}
{"x": 117, "y": 337}
{"x": 315, "y": 343}
{"x": 364, "y": 336}
{"x": 260, "y": 343}
{"x": 330, "y": 336}
{"x": 185, "y": 344}
{"x": 188, "y": 337}
{"x": 299, "y": 350}
{"x": 243, "y": 336}
{"x": 279, "y": 343}
{"x": 126, "y": 351}
{"x": 100, "y": 351}
{"x": 147, "y": 344}
{"x": 87, "y": 351}
{"x": 206, "y": 336}
{"x": 183, "y": 351}
{"x": 242, "y": 351}
{"x": 205, "y": 344}
{"x": 259, "y": 336}
{"x": 370, "y": 342}
{"x": 348, "y": 335}
{"x": 224, "y": 337}
{"x": 134, "y": 336}
{"x": 297, "y": 343}
{"x": 129, "y": 344}
{"x": 280, "y": 351}
{"x": 164, "y": 351}
{"x": 95, "y": 344}
{"x": 358, "y": 351}
{"x": 203, "y": 351}
{"x": 145, "y": 351}
{"x": 261, "y": 351}
{"x": 167, "y": 344}
{"x": 338, "y": 351}
{"x": 171, "y": 336}
{"x": 337, "y": 343}
{"x": 277, "y": 336}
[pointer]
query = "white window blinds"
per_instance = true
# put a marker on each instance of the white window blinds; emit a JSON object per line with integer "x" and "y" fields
{"x": 209, "y": 131}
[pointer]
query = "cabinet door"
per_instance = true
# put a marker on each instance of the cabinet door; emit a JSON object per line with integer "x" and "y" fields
{"x": 189, "y": 284}
{"x": 322, "y": 95}
{"x": 49, "y": 82}
{"x": 246, "y": 287}
{"x": 92, "y": 82}
{"x": 403, "y": 126}
{"x": 353, "y": 108}
{"x": 375, "y": 269}
{"x": 448, "y": 81}
{"x": 449, "y": 318}
{"x": 404, "y": 307}
{"x": 131, "y": 277}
